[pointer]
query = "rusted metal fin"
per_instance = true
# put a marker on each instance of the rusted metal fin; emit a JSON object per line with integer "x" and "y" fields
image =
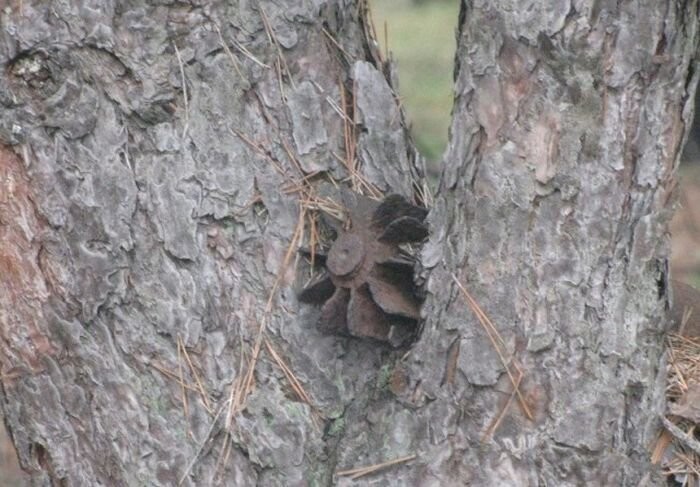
{"x": 394, "y": 207}
{"x": 402, "y": 265}
{"x": 334, "y": 312}
{"x": 394, "y": 294}
{"x": 365, "y": 318}
{"x": 368, "y": 290}
{"x": 403, "y": 230}
{"x": 318, "y": 290}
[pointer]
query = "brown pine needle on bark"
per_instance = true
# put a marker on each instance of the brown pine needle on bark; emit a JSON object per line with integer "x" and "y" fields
{"x": 185, "y": 406}
{"x": 334, "y": 105}
{"x": 204, "y": 396}
{"x": 281, "y": 62}
{"x": 386, "y": 40}
{"x": 293, "y": 382}
{"x": 358, "y": 182}
{"x": 174, "y": 375}
{"x": 662, "y": 443}
{"x": 355, "y": 473}
{"x": 335, "y": 43}
{"x": 370, "y": 30}
{"x": 228, "y": 52}
{"x": 498, "y": 345}
{"x": 249, "y": 54}
{"x": 185, "y": 97}
{"x": 497, "y": 422}
{"x": 348, "y": 131}
{"x": 241, "y": 390}
{"x": 207, "y": 438}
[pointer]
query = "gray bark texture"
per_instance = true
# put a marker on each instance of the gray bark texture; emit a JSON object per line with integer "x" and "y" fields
{"x": 149, "y": 159}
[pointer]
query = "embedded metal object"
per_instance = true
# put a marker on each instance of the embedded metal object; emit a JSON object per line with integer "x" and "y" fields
{"x": 367, "y": 287}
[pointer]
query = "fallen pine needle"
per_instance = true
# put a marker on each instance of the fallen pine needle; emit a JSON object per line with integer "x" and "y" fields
{"x": 497, "y": 343}
{"x": 193, "y": 371}
{"x": 185, "y": 407}
{"x": 293, "y": 381}
{"x": 686, "y": 439}
{"x": 228, "y": 52}
{"x": 173, "y": 375}
{"x": 184, "y": 91}
{"x": 494, "y": 426}
{"x": 355, "y": 473}
{"x": 662, "y": 443}
{"x": 209, "y": 436}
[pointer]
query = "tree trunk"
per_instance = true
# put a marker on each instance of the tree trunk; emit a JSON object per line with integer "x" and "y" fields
{"x": 152, "y": 166}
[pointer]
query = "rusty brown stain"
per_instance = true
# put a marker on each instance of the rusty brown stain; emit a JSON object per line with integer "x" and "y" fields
{"x": 23, "y": 287}
{"x": 489, "y": 108}
{"x": 673, "y": 134}
{"x": 451, "y": 362}
{"x": 537, "y": 399}
{"x": 398, "y": 382}
{"x": 629, "y": 127}
{"x": 517, "y": 80}
{"x": 544, "y": 146}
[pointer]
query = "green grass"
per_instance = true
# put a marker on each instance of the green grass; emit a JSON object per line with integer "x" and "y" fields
{"x": 422, "y": 43}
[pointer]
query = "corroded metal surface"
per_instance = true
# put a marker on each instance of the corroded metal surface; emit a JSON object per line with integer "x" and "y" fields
{"x": 373, "y": 296}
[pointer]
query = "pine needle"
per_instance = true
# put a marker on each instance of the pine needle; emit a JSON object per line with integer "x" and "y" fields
{"x": 498, "y": 345}
{"x": 355, "y": 473}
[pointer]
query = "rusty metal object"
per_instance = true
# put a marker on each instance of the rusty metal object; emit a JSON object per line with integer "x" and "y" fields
{"x": 367, "y": 287}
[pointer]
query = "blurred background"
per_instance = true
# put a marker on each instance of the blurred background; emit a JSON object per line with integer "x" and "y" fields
{"x": 421, "y": 37}
{"x": 421, "y": 40}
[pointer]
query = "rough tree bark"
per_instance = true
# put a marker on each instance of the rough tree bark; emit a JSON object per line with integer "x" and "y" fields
{"x": 145, "y": 152}
{"x": 553, "y": 206}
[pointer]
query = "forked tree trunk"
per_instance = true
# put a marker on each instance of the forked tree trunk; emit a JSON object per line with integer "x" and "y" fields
{"x": 149, "y": 195}
{"x": 553, "y": 209}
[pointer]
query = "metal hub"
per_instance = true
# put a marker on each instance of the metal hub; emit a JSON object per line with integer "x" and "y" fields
{"x": 368, "y": 288}
{"x": 346, "y": 255}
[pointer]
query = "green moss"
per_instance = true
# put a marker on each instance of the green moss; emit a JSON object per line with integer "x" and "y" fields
{"x": 384, "y": 375}
{"x": 320, "y": 476}
{"x": 339, "y": 382}
{"x": 295, "y": 410}
{"x": 335, "y": 413}
{"x": 336, "y": 427}
{"x": 315, "y": 479}
{"x": 160, "y": 405}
